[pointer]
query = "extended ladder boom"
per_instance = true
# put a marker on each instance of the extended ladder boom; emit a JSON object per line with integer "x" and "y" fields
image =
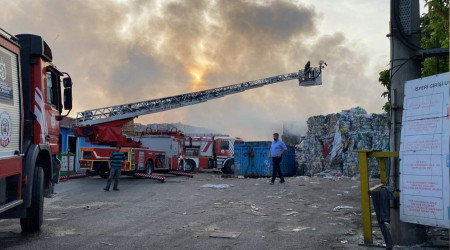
{"x": 310, "y": 76}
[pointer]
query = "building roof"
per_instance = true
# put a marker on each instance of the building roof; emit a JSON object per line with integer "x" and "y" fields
{"x": 67, "y": 122}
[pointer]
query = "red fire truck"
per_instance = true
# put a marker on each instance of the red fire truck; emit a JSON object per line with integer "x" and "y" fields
{"x": 30, "y": 112}
{"x": 211, "y": 152}
{"x": 95, "y": 160}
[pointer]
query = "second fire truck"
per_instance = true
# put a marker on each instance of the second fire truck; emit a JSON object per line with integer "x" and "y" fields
{"x": 210, "y": 152}
{"x": 95, "y": 160}
{"x": 154, "y": 151}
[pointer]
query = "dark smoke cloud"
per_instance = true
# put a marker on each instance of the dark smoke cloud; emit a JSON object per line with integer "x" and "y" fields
{"x": 119, "y": 52}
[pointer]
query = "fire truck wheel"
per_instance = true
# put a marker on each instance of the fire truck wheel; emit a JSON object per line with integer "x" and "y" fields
{"x": 149, "y": 167}
{"x": 229, "y": 167}
{"x": 104, "y": 171}
{"x": 190, "y": 166}
{"x": 35, "y": 212}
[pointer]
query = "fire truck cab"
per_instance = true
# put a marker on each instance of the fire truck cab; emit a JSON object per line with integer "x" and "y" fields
{"x": 211, "y": 152}
{"x": 30, "y": 112}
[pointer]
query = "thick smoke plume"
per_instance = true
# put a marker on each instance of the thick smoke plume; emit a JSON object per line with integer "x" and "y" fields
{"x": 125, "y": 51}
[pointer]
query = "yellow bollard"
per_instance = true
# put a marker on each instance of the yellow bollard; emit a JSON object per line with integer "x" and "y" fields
{"x": 365, "y": 199}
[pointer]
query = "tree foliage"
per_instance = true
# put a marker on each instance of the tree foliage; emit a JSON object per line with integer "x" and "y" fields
{"x": 385, "y": 80}
{"x": 434, "y": 27}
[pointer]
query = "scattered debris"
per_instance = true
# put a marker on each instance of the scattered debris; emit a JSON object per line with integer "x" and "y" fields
{"x": 52, "y": 219}
{"x": 254, "y": 212}
{"x": 105, "y": 243}
{"x": 342, "y": 207}
{"x": 61, "y": 232}
{"x": 290, "y": 213}
{"x": 344, "y": 241}
{"x": 216, "y": 186}
{"x": 303, "y": 178}
{"x": 298, "y": 229}
{"x": 270, "y": 196}
{"x": 227, "y": 235}
{"x": 350, "y": 233}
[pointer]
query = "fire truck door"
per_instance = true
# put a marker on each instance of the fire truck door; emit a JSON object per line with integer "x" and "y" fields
{"x": 52, "y": 105}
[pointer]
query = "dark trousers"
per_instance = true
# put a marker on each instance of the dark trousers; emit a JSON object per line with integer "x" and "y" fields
{"x": 276, "y": 169}
{"x": 114, "y": 173}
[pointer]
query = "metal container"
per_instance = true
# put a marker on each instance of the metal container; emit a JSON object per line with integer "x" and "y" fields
{"x": 251, "y": 159}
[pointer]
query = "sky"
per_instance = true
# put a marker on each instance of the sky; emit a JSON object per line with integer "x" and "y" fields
{"x": 120, "y": 51}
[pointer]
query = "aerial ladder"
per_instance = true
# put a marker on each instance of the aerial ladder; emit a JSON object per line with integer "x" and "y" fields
{"x": 104, "y": 125}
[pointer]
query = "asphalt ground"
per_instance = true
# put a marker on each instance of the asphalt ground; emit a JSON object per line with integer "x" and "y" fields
{"x": 181, "y": 214}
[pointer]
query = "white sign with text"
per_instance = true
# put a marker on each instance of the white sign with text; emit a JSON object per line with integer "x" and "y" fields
{"x": 424, "y": 152}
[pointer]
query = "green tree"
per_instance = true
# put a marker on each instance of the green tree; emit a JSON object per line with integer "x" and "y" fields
{"x": 434, "y": 27}
{"x": 385, "y": 80}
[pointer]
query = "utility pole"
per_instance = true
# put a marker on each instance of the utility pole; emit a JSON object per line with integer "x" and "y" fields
{"x": 405, "y": 44}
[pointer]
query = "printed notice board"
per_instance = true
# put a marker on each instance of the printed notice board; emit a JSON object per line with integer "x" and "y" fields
{"x": 424, "y": 152}
{"x": 62, "y": 158}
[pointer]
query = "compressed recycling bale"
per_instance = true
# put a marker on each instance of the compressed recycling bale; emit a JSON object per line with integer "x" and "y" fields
{"x": 357, "y": 130}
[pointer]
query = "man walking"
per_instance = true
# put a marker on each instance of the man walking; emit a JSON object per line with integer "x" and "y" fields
{"x": 276, "y": 152}
{"x": 115, "y": 165}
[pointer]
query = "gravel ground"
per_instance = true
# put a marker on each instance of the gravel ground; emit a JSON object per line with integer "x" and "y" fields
{"x": 181, "y": 214}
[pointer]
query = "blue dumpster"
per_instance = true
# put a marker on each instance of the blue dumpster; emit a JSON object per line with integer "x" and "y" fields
{"x": 250, "y": 159}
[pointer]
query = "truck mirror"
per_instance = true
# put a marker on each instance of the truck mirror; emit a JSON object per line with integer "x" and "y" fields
{"x": 67, "y": 98}
{"x": 67, "y": 82}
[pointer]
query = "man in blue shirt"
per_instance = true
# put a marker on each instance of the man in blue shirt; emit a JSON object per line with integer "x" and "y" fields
{"x": 115, "y": 165}
{"x": 276, "y": 152}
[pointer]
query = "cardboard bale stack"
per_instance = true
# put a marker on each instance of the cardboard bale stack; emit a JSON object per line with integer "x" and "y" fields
{"x": 331, "y": 140}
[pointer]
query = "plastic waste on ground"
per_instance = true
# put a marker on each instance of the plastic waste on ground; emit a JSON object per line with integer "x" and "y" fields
{"x": 216, "y": 186}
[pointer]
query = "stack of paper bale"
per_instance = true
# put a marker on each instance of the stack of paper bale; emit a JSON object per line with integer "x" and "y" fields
{"x": 331, "y": 140}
